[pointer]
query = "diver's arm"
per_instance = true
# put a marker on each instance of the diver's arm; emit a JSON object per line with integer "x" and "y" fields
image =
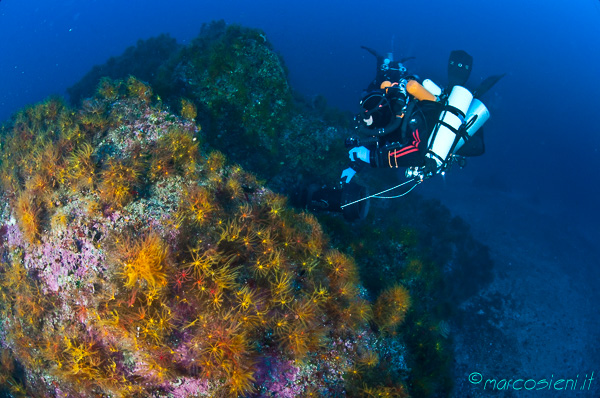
{"x": 392, "y": 126}
{"x": 397, "y": 155}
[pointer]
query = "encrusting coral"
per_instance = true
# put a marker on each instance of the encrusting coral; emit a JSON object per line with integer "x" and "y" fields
{"x": 143, "y": 264}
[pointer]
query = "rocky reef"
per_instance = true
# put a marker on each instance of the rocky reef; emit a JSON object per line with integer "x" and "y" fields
{"x": 148, "y": 247}
{"x": 135, "y": 262}
{"x": 238, "y": 84}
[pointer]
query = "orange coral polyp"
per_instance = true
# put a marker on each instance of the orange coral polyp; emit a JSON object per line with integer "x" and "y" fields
{"x": 391, "y": 307}
{"x": 28, "y": 215}
{"x": 145, "y": 262}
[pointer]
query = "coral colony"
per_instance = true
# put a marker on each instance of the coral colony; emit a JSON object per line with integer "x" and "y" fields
{"x": 138, "y": 262}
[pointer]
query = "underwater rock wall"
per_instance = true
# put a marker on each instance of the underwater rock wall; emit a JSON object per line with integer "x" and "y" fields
{"x": 135, "y": 261}
{"x": 246, "y": 106}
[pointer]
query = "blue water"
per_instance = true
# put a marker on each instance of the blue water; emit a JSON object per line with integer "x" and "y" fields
{"x": 544, "y": 135}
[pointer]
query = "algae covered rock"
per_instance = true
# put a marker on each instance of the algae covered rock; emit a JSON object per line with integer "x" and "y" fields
{"x": 239, "y": 86}
{"x": 233, "y": 72}
{"x": 135, "y": 261}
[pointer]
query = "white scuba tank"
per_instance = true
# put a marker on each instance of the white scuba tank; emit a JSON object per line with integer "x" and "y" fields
{"x": 451, "y": 118}
{"x": 476, "y": 116}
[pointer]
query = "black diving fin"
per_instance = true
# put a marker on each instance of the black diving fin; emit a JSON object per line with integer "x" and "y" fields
{"x": 486, "y": 85}
{"x": 459, "y": 68}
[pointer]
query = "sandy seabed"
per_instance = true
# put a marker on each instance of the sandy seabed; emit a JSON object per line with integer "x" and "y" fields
{"x": 535, "y": 330}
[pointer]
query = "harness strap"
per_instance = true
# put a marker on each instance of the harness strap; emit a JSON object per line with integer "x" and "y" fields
{"x": 407, "y": 114}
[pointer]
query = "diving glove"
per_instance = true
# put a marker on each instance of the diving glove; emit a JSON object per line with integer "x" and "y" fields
{"x": 347, "y": 175}
{"x": 359, "y": 153}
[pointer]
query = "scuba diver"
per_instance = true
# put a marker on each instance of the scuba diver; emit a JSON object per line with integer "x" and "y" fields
{"x": 393, "y": 141}
{"x": 387, "y": 68}
{"x": 420, "y": 127}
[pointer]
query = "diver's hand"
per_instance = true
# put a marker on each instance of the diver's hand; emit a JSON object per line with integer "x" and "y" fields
{"x": 347, "y": 175}
{"x": 359, "y": 153}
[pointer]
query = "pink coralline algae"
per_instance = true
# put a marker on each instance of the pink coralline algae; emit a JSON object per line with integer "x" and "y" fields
{"x": 66, "y": 262}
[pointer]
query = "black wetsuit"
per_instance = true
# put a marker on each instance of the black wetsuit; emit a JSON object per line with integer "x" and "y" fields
{"x": 403, "y": 142}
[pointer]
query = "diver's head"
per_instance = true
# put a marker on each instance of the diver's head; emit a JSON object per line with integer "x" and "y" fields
{"x": 377, "y": 111}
